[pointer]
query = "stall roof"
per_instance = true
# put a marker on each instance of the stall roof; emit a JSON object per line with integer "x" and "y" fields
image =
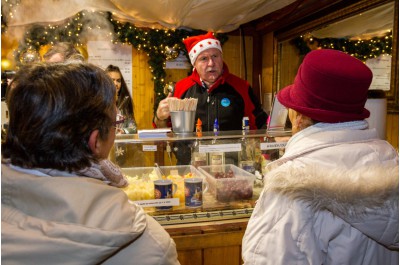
{"x": 218, "y": 16}
{"x": 207, "y": 15}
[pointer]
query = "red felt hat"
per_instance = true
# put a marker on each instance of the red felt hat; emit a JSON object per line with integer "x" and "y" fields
{"x": 330, "y": 86}
{"x": 197, "y": 44}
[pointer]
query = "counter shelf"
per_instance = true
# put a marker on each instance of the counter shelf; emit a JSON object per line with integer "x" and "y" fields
{"x": 123, "y": 138}
{"x": 212, "y": 210}
{"x": 130, "y": 152}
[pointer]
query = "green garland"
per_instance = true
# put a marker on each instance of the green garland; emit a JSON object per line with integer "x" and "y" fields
{"x": 151, "y": 41}
{"x": 361, "y": 49}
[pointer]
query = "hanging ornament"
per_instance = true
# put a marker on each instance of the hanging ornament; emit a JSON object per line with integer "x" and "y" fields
{"x": 169, "y": 88}
{"x": 171, "y": 52}
{"x": 83, "y": 51}
{"x": 29, "y": 56}
{"x": 119, "y": 151}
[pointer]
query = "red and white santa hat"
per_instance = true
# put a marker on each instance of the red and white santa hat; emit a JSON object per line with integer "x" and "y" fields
{"x": 197, "y": 44}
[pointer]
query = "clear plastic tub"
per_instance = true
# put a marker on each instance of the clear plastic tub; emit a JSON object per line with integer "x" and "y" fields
{"x": 141, "y": 185}
{"x": 228, "y": 182}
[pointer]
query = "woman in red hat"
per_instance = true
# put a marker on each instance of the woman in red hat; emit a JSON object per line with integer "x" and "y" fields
{"x": 332, "y": 198}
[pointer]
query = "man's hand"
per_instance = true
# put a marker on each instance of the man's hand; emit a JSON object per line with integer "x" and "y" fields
{"x": 162, "y": 113}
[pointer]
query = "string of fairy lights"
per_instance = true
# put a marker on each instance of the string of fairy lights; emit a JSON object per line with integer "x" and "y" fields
{"x": 161, "y": 45}
{"x": 361, "y": 49}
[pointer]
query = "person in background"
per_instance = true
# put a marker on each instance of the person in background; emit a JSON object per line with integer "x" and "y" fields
{"x": 332, "y": 198}
{"x": 65, "y": 52}
{"x": 125, "y": 112}
{"x": 58, "y": 206}
{"x": 61, "y": 52}
{"x": 221, "y": 95}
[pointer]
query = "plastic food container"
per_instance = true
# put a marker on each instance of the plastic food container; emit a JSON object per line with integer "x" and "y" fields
{"x": 228, "y": 182}
{"x": 141, "y": 185}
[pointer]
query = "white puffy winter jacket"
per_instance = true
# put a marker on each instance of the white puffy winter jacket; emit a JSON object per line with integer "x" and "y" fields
{"x": 331, "y": 199}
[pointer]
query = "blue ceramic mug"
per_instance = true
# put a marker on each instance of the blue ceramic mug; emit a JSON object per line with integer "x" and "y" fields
{"x": 194, "y": 192}
{"x": 164, "y": 189}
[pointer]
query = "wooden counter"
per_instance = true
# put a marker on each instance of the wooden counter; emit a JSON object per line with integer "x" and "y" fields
{"x": 209, "y": 243}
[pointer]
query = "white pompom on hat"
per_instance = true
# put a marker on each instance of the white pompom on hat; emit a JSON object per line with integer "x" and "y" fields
{"x": 197, "y": 44}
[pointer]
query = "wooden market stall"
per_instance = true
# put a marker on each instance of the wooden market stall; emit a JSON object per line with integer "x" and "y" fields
{"x": 263, "y": 52}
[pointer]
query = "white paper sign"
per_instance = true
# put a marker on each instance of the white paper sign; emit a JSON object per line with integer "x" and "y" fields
{"x": 104, "y": 53}
{"x": 272, "y": 146}
{"x": 158, "y": 202}
{"x": 179, "y": 62}
{"x": 4, "y": 113}
{"x": 220, "y": 148}
{"x": 149, "y": 148}
{"x": 381, "y": 68}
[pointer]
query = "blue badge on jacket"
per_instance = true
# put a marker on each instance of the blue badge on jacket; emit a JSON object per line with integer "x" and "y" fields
{"x": 225, "y": 102}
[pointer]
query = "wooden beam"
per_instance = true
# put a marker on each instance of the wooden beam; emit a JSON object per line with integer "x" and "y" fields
{"x": 257, "y": 65}
{"x": 295, "y": 13}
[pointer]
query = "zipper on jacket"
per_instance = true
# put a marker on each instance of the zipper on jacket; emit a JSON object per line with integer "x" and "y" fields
{"x": 212, "y": 110}
{"x": 208, "y": 111}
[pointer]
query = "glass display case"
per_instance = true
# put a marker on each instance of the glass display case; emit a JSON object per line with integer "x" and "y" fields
{"x": 227, "y": 166}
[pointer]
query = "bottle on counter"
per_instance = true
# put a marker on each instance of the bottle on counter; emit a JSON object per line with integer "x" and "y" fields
{"x": 216, "y": 126}
{"x": 199, "y": 130}
{"x": 245, "y": 124}
{"x": 217, "y": 161}
{"x": 198, "y": 158}
{"x": 247, "y": 154}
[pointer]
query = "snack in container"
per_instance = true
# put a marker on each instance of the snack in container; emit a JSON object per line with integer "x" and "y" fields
{"x": 140, "y": 183}
{"x": 228, "y": 182}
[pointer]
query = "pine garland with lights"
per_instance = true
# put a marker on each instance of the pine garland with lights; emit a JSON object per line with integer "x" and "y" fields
{"x": 361, "y": 49}
{"x": 151, "y": 41}
{"x": 69, "y": 31}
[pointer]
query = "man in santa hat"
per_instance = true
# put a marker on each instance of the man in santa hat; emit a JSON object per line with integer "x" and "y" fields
{"x": 221, "y": 95}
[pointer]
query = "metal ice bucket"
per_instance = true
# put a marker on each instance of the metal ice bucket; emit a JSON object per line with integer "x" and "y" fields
{"x": 183, "y": 121}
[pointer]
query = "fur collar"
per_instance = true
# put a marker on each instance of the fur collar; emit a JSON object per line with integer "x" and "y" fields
{"x": 343, "y": 192}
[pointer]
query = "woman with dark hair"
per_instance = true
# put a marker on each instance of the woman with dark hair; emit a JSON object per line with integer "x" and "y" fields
{"x": 58, "y": 200}
{"x": 125, "y": 115}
